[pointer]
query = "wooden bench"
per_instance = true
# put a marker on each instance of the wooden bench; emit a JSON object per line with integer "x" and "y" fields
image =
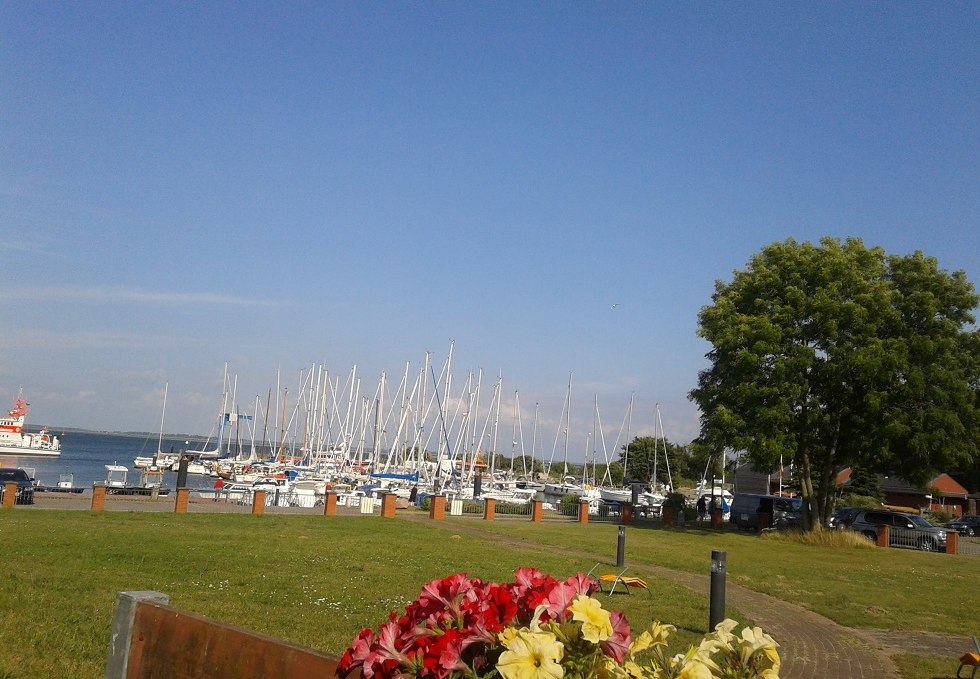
{"x": 152, "y": 640}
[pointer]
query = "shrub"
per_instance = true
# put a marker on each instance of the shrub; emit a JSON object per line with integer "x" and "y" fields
{"x": 568, "y": 504}
{"x": 862, "y": 501}
{"x": 940, "y": 517}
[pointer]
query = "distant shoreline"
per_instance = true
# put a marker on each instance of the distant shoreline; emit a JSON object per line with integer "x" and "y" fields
{"x": 128, "y": 434}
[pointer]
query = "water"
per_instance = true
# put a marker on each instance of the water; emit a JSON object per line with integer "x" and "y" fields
{"x": 85, "y": 455}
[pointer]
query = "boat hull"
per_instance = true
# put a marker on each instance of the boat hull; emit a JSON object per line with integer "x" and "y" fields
{"x": 27, "y": 451}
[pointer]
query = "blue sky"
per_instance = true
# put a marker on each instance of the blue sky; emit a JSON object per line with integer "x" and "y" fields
{"x": 275, "y": 185}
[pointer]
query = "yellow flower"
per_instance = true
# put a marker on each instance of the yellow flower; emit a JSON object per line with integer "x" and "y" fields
{"x": 531, "y": 655}
{"x": 596, "y": 625}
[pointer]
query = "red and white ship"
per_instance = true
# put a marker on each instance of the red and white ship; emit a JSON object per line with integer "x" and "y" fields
{"x": 15, "y": 441}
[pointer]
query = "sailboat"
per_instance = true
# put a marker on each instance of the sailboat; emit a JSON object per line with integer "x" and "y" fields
{"x": 567, "y": 485}
{"x": 159, "y": 460}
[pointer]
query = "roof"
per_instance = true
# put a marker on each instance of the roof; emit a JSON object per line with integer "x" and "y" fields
{"x": 947, "y": 485}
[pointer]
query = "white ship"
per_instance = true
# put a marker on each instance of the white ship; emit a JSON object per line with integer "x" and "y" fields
{"x": 15, "y": 441}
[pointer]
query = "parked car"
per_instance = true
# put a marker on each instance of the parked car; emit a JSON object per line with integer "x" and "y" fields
{"x": 25, "y": 488}
{"x": 839, "y": 519}
{"x": 904, "y": 530}
{"x": 968, "y": 524}
{"x": 784, "y": 512}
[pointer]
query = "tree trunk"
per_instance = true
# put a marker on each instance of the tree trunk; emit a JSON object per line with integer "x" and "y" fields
{"x": 809, "y": 519}
{"x": 825, "y": 486}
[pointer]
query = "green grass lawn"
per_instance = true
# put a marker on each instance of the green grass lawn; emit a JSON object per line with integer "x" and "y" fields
{"x": 317, "y": 581}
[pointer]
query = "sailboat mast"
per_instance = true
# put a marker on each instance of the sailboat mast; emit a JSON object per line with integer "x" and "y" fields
{"x": 568, "y": 412}
{"x": 163, "y": 414}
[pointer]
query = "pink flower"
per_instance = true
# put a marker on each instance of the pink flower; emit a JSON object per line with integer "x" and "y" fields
{"x": 618, "y": 644}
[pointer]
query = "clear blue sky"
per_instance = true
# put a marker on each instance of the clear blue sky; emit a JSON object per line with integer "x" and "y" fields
{"x": 275, "y": 184}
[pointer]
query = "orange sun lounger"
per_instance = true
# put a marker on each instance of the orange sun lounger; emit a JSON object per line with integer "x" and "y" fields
{"x": 615, "y": 579}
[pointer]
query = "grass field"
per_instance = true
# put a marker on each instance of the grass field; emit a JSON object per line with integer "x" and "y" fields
{"x": 317, "y": 581}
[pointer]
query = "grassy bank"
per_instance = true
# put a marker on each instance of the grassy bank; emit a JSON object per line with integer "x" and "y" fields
{"x": 312, "y": 581}
{"x": 316, "y": 582}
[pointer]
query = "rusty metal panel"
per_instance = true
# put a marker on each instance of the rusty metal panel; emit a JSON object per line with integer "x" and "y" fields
{"x": 171, "y": 644}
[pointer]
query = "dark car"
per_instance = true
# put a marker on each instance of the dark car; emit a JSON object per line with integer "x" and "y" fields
{"x": 25, "y": 489}
{"x": 904, "y": 530}
{"x": 782, "y": 512}
{"x": 841, "y": 517}
{"x": 968, "y": 525}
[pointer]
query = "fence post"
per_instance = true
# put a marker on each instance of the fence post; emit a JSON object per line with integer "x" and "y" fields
{"x": 583, "y": 511}
{"x": 489, "y": 508}
{"x": 330, "y": 504}
{"x": 716, "y": 518}
{"x": 388, "y": 506}
{"x": 437, "y": 507}
{"x": 183, "y": 497}
{"x": 952, "y": 542}
{"x": 122, "y": 629}
{"x": 537, "y": 510}
{"x": 98, "y": 497}
{"x": 9, "y": 494}
{"x": 258, "y": 503}
{"x": 882, "y": 537}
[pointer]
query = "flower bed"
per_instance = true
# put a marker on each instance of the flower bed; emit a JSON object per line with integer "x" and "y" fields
{"x": 538, "y": 627}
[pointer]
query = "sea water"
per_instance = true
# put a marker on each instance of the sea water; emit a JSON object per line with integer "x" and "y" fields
{"x": 85, "y": 455}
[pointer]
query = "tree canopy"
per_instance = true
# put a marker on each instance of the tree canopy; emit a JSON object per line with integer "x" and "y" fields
{"x": 837, "y": 354}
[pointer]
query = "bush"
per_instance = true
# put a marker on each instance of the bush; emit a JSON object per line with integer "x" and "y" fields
{"x": 568, "y": 504}
{"x": 862, "y": 501}
{"x": 940, "y": 517}
{"x": 676, "y": 501}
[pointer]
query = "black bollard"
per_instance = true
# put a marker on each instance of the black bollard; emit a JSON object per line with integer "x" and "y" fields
{"x": 182, "y": 472}
{"x": 717, "y": 602}
{"x": 621, "y": 547}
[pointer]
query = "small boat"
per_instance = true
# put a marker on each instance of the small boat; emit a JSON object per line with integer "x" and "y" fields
{"x": 15, "y": 441}
{"x": 66, "y": 484}
{"x": 151, "y": 482}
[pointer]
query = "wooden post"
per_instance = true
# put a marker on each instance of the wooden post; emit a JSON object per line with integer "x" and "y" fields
{"x": 437, "y": 507}
{"x": 583, "y": 511}
{"x": 258, "y": 503}
{"x": 388, "y": 506}
{"x": 180, "y": 503}
{"x": 882, "y": 538}
{"x": 537, "y": 510}
{"x": 668, "y": 516}
{"x": 626, "y": 515}
{"x": 952, "y": 541}
{"x": 9, "y": 494}
{"x": 330, "y": 504}
{"x": 489, "y": 508}
{"x": 98, "y": 497}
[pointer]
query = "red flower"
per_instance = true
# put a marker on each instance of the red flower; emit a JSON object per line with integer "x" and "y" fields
{"x": 355, "y": 655}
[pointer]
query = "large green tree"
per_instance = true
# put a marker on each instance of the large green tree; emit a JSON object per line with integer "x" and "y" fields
{"x": 837, "y": 354}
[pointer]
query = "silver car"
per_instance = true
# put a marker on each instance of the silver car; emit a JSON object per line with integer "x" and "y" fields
{"x": 904, "y": 530}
